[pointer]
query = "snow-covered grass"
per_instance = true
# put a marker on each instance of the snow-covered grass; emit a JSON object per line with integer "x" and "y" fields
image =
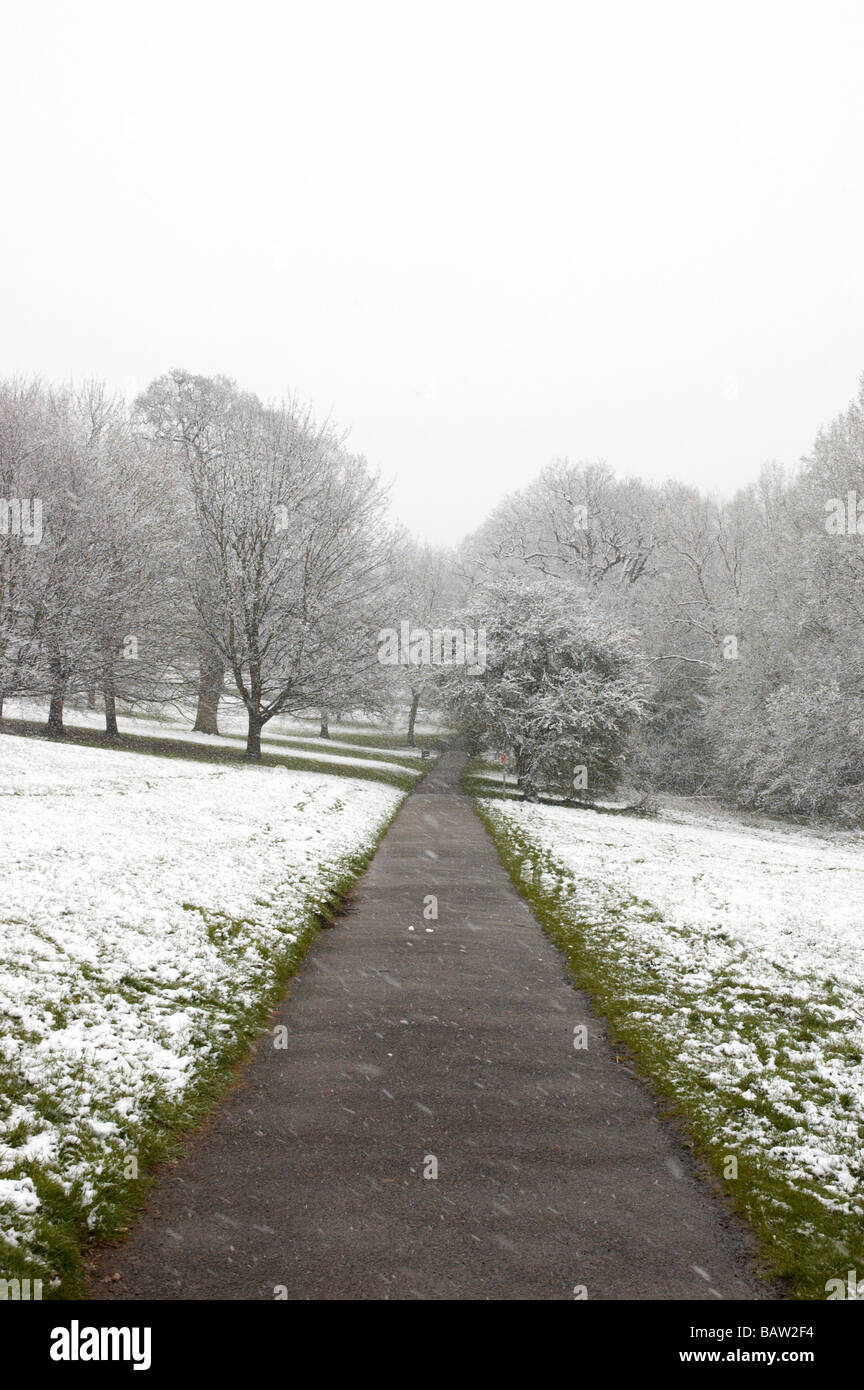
{"x": 169, "y": 733}
{"x": 730, "y": 960}
{"x": 150, "y": 910}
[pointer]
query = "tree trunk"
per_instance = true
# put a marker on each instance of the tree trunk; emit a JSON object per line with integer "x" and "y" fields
{"x": 412, "y": 718}
{"x": 325, "y": 724}
{"x": 55, "y": 712}
{"x": 210, "y": 685}
{"x": 253, "y": 740}
{"x": 519, "y": 766}
{"x": 91, "y": 698}
{"x": 110, "y": 702}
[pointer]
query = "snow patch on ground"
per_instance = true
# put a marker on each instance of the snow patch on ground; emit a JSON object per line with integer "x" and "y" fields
{"x": 276, "y": 737}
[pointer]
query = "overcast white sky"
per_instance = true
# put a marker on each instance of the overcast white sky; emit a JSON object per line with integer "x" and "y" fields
{"x": 480, "y": 234}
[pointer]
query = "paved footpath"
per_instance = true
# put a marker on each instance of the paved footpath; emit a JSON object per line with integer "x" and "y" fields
{"x": 448, "y": 1046}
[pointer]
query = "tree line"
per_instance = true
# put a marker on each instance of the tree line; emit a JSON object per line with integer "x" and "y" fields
{"x": 746, "y": 614}
{"x": 200, "y": 543}
{"x": 197, "y": 543}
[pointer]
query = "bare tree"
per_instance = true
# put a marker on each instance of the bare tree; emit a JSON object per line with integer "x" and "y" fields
{"x": 287, "y": 526}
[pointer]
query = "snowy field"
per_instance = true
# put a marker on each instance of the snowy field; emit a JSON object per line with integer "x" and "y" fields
{"x": 147, "y": 905}
{"x": 736, "y": 954}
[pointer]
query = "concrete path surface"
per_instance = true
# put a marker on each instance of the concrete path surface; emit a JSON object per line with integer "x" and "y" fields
{"x": 447, "y": 1048}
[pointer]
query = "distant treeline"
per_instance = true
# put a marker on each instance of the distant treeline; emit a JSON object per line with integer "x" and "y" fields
{"x": 750, "y": 612}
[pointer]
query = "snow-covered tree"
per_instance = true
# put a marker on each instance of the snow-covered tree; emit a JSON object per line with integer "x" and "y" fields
{"x": 424, "y": 590}
{"x": 288, "y": 545}
{"x": 559, "y": 694}
{"x": 75, "y": 602}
